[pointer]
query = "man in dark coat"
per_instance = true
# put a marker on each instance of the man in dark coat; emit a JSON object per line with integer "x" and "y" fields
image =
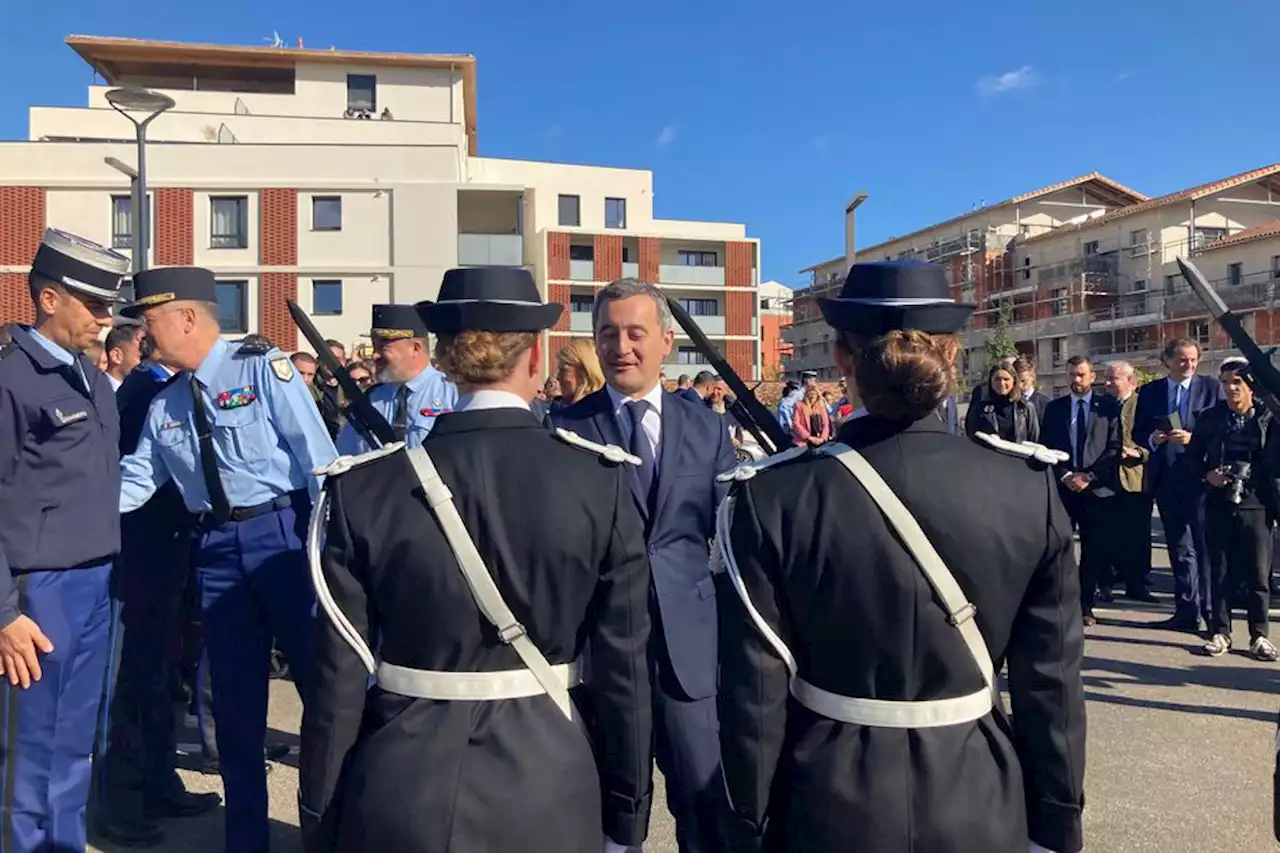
{"x": 471, "y": 739}
{"x": 868, "y": 602}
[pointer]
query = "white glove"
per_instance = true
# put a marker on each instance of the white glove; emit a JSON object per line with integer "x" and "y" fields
{"x": 611, "y": 846}
{"x": 1035, "y": 848}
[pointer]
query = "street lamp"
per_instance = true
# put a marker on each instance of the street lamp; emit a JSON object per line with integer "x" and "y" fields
{"x": 126, "y": 101}
{"x": 849, "y": 248}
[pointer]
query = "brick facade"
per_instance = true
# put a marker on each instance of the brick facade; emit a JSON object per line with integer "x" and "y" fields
{"x": 560, "y": 293}
{"x": 175, "y": 227}
{"x": 608, "y": 252}
{"x": 739, "y": 262}
{"x": 558, "y": 257}
{"x": 739, "y": 311}
{"x": 650, "y": 253}
{"x": 278, "y": 247}
{"x": 22, "y": 224}
{"x": 741, "y": 357}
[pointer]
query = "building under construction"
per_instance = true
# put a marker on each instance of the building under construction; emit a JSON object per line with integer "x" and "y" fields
{"x": 1088, "y": 267}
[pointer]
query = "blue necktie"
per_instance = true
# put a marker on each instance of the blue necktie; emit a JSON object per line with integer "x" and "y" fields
{"x": 640, "y": 448}
{"x": 1180, "y": 396}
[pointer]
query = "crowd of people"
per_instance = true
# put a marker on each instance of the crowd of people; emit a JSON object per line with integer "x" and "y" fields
{"x": 499, "y": 621}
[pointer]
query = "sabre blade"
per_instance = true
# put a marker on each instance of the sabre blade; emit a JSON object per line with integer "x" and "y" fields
{"x": 1210, "y": 297}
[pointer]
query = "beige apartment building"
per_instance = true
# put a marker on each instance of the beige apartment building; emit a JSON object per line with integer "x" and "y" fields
{"x": 972, "y": 247}
{"x": 1089, "y": 267}
{"x": 341, "y": 179}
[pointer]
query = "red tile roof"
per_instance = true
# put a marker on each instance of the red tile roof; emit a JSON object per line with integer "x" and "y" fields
{"x": 1257, "y": 232}
{"x": 1189, "y": 194}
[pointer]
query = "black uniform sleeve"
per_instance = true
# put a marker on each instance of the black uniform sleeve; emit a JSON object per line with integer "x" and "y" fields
{"x": 753, "y": 681}
{"x": 1045, "y": 651}
{"x": 617, "y": 686}
{"x": 725, "y": 460}
{"x": 332, "y": 713}
{"x": 973, "y": 417}
{"x": 13, "y": 426}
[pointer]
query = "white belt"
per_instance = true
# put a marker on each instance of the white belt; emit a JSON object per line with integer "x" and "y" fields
{"x": 890, "y": 714}
{"x": 471, "y": 686}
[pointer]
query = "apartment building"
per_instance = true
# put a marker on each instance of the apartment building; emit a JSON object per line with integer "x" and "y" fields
{"x": 340, "y": 179}
{"x": 973, "y": 248}
{"x": 775, "y": 315}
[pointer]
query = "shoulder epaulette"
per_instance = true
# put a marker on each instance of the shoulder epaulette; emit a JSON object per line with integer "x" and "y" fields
{"x": 253, "y": 348}
{"x": 343, "y": 464}
{"x": 747, "y": 470}
{"x": 612, "y": 452}
{"x": 1024, "y": 449}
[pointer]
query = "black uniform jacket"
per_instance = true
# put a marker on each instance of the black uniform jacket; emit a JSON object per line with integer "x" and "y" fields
{"x": 559, "y": 530}
{"x": 824, "y": 568}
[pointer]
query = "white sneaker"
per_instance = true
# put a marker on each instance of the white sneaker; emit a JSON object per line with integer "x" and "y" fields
{"x": 1264, "y": 650}
{"x": 1218, "y": 646}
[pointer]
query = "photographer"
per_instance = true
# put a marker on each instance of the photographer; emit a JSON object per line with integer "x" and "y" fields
{"x": 1229, "y": 446}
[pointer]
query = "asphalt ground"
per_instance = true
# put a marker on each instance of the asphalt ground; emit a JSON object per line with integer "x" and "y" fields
{"x": 1180, "y": 746}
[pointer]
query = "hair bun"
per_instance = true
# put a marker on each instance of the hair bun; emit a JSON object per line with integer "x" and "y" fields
{"x": 903, "y": 375}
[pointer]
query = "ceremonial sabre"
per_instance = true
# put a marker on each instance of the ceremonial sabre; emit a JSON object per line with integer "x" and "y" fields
{"x": 364, "y": 418}
{"x": 1262, "y": 375}
{"x": 750, "y": 412}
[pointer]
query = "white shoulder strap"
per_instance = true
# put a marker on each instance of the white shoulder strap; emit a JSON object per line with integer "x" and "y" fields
{"x": 341, "y": 624}
{"x": 960, "y": 611}
{"x": 483, "y": 589}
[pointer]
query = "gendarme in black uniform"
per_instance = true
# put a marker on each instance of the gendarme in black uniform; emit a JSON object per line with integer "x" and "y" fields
{"x": 556, "y": 528}
{"x": 811, "y": 765}
{"x": 59, "y": 467}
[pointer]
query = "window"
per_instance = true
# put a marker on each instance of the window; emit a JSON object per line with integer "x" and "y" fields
{"x": 582, "y": 253}
{"x": 690, "y": 355}
{"x": 326, "y": 297}
{"x": 700, "y": 307}
{"x": 626, "y": 255}
{"x": 1202, "y": 237}
{"x": 1235, "y": 274}
{"x": 1275, "y": 266}
{"x": 615, "y": 213}
{"x": 1140, "y": 286}
{"x": 1059, "y": 352}
{"x": 764, "y": 303}
{"x": 233, "y": 307}
{"x": 122, "y": 221}
{"x": 1026, "y": 269}
{"x": 326, "y": 213}
{"x": 580, "y": 304}
{"x": 1170, "y": 285}
{"x": 1059, "y": 305}
{"x": 228, "y": 224}
{"x": 1198, "y": 331}
{"x": 1091, "y": 248}
{"x": 362, "y": 93}
{"x": 1138, "y": 242}
{"x": 570, "y": 210}
{"x": 696, "y": 259}
{"x": 1024, "y": 230}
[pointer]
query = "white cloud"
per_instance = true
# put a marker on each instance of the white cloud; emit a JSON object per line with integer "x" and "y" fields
{"x": 1010, "y": 81}
{"x": 667, "y": 136}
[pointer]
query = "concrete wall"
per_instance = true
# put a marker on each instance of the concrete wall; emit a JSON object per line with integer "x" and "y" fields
{"x": 365, "y": 237}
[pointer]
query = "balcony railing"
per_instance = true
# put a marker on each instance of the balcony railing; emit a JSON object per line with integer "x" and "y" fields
{"x": 582, "y": 270}
{"x": 580, "y": 321}
{"x": 679, "y": 274}
{"x": 490, "y": 250}
{"x": 630, "y": 270}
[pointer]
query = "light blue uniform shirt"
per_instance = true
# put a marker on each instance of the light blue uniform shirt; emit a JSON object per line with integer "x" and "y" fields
{"x": 268, "y": 436}
{"x": 430, "y": 395}
{"x": 61, "y": 355}
{"x": 787, "y": 409}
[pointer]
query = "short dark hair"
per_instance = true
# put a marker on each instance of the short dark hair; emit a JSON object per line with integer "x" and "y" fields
{"x": 121, "y": 336}
{"x": 704, "y": 377}
{"x": 302, "y": 356}
{"x": 1022, "y": 364}
{"x": 331, "y": 343}
{"x": 1171, "y": 348}
{"x": 1077, "y": 360}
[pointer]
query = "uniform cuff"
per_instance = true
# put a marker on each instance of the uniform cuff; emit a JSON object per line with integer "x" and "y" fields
{"x": 626, "y": 819}
{"x": 1056, "y": 826}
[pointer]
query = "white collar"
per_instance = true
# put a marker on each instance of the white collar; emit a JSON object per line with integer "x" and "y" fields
{"x": 653, "y": 398}
{"x": 490, "y": 399}
{"x": 1185, "y": 383}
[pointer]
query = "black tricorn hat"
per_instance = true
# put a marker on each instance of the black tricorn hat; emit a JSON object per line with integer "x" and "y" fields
{"x": 392, "y": 322}
{"x": 490, "y": 299}
{"x": 887, "y": 296}
{"x": 170, "y": 284}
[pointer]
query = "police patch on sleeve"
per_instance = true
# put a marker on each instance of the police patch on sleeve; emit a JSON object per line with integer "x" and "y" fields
{"x": 282, "y": 367}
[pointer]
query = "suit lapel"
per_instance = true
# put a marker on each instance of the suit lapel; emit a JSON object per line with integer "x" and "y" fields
{"x": 611, "y": 433}
{"x": 672, "y": 436}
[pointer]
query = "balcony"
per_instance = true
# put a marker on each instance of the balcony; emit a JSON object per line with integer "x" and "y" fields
{"x": 711, "y": 324}
{"x": 582, "y": 270}
{"x": 490, "y": 250}
{"x": 1136, "y": 310}
{"x": 630, "y": 270}
{"x": 679, "y": 274}
{"x": 580, "y": 321}
{"x": 999, "y": 295}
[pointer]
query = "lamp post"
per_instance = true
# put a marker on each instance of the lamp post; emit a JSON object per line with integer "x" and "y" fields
{"x": 126, "y": 101}
{"x": 850, "y": 251}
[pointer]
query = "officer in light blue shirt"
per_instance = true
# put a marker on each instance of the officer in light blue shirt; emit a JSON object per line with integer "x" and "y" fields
{"x": 414, "y": 393}
{"x": 240, "y": 435}
{"x": 787, "y": 407}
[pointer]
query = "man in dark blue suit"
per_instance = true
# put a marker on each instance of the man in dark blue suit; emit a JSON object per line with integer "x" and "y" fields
{"x": 1165, "y": 418}
{"x": 682, "y": 446}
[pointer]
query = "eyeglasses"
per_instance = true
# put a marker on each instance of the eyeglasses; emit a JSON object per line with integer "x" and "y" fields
{"x": 363, "y": 380}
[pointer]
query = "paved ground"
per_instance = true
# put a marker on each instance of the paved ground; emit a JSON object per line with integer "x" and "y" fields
{"x": 1180, "y": 748}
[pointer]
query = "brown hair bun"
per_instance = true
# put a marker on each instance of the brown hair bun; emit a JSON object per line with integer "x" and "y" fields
{"x": 901, "y": 375}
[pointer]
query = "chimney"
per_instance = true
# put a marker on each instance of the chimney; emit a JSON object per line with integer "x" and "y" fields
{"x": 849, "y": 217}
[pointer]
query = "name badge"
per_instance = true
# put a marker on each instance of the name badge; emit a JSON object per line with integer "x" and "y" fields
{"x": 237, "y": 397}
{"x": 170, "y": 425}
{"x": 64, "y": 420}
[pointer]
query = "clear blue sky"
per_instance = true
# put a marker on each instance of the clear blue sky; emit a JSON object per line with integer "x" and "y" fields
{"x": 774, "y": 113}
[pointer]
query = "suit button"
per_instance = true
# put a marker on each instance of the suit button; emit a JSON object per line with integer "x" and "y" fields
{"x": 652, "y": 550}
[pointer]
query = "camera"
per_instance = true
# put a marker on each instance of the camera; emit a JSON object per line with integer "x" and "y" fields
{"x": 1238, "y": 472}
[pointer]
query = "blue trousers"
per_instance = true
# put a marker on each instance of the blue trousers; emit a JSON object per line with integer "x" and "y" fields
{"x": 254, "y": 584}
{"x": 48, "y": 730}
{"x": 1181, "y": 501}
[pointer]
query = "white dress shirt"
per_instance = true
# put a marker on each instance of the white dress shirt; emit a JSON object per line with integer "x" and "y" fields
{"x": 490, "y": 399}
{"x": 115, "y": 383}
{"x": 651, "y": 422}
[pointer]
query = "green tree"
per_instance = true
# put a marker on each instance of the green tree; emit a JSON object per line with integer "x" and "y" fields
{"x": 1000, "y": 342}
